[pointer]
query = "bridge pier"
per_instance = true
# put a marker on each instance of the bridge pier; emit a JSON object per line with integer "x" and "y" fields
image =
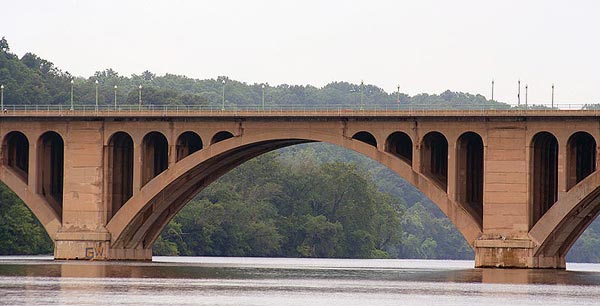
{"x": 513, "y": 253}
{"x": 94, "y": 246}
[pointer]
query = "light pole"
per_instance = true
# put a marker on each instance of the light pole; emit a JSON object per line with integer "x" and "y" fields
{"x": 362, "y": 84}
{"x": 263, "y": 96}
{"x": 72, "y": 94}
{"x": 115, "y": 97}
{"x": 492, "y": 90}
{"x": 96, "y": 95}
{"x": 223, "y": 102}
{"x": 526, "y": 86}
{"x": 552, "y": 95}
{"x": 2, "y": 97}
{"x": 398, "y": 99}
{"x": 140, "y": 98}
{"x": 519, "y": 94}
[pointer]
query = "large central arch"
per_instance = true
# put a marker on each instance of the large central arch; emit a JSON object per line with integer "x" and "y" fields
{"x": 141, "y": 219}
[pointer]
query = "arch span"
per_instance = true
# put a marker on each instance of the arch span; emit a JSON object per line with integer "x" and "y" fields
{"x": 138, "y": 224}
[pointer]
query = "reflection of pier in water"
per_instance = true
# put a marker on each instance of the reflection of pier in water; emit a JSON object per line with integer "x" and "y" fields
{"x": 70, "y": 269}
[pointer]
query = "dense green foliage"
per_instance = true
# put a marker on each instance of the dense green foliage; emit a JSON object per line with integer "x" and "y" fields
{"x": 311, "y": 200}
{"x": 20, "y": 231}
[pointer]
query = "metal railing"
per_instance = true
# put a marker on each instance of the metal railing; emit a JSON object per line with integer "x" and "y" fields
{"x": 301, "y": 110}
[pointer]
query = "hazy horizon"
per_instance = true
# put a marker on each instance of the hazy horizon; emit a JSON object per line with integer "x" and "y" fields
{"x": 425, "y": 46}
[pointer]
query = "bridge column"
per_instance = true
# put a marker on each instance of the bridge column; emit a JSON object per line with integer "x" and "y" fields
{"x": 83, "y": 234}
{"x": 505, "y": 242}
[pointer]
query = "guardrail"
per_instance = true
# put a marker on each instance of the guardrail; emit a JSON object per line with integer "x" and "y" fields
{"x": 300, "y": 110}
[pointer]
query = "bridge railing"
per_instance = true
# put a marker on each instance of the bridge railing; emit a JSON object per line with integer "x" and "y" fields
{"x": 297, "y": 110}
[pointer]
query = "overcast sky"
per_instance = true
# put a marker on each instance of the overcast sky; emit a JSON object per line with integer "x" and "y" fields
{"x": 425, "y": 46}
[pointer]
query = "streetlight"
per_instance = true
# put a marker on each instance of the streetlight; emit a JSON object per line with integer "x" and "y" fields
{"x": 552, "y": 95}
{"x": 263, "y": 96}
{"x": 72, "y": 94}
{"x": 362, "y": 85}
{"x": 492, "y": 89}
{"x": 526, "y": 86}
{"x": 140, "y": 98}
{"x": 96, "y": 95}
{"x": 398, "y": 100}
{"x": 223, "y": 103}
{"x": 2, "y": 97}
{"x": 519, "y": 94}
{"x": 115, "y": 97}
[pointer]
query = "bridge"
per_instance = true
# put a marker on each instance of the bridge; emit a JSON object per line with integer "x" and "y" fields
{"x": 520, "y": 185}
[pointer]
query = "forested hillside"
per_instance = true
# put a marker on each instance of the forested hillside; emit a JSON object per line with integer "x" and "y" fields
{"x": 312, "y": 200}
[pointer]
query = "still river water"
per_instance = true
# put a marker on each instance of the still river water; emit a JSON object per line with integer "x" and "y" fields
{"x": 269, "y": 281}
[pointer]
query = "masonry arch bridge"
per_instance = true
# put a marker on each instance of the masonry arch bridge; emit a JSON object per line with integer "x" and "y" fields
{"x": 521, "y": 189}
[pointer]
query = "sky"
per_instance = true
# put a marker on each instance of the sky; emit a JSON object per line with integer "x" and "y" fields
{"x": 423, "y": 46}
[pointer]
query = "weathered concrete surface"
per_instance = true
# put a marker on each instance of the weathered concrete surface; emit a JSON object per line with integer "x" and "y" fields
{"x": 86, "y": 226}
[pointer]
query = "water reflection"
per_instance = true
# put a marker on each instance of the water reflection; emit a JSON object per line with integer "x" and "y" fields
{"x": 268, "y": 281}
{"x": 278, "y": 268}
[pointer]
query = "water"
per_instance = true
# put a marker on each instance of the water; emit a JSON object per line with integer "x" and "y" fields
{"x": 279, "y": 281}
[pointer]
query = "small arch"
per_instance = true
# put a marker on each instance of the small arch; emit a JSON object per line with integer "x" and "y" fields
{"x": 120, "y": 171}
{"x": 155, "y": 155}
{"x": 188, "y": 143}
{"x": 51, "y": 158}
{"x": 544, "y": 174}
{"x": 470, "y": 173}
{"x": 16, "y": 153}
{"x": 220, "y": 136}
{"x": 434, "y": 158}
{"x": 581, "y": 157}
{"x": 366, "y": 137}
{"x": 400, "y": 145}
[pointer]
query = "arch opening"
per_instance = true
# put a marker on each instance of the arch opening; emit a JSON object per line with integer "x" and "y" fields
{"x": 148, "y": 213}
{"x": 51, "y": 167}
{"x": 188, "y": 143}
{"x": 581, "y": 157}
{"x": 120, "y": 171}
{"x": 434, "y": 158}
{"x": 238, "y": 177}
{"x": 155, "y": 156}
{"x": 220, "y": 136}
{"x": 16, "y": 153}
{"x": 470, "y": 173}
{"x": 400, "y": 145}
{"x": 544, "y": 173}
{"x": 366, "y": 137}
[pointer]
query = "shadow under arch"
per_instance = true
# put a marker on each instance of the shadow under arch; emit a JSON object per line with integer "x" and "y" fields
{"x": 143, "y": 217}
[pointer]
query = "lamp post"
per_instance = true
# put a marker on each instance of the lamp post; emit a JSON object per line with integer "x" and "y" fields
{"x": 140, "y": 98}
{"x": 263, "y": 96}
{"x": 115, "y": 97}
{"x": 398, "y": 99}
{"x": 2, "y": 97}
{"x": 96, "y": 95}
{"x": 552, "y": 95}
{"x": 362, "y": 84}
{"x": 492, "y": 90}
{"x": 72, "y": 94}
{"x": 223, "y": 100}
{"x": 526, "y": 86}
{"x": 519, "y": 94}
